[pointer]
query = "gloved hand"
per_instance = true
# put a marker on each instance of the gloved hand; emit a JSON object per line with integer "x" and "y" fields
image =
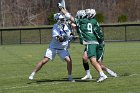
{"x": 60, "y": 38}
{"x": 59, "y": 5}
{"x": 72, "y": 37}
{"x": 101, "y": 45}
{"x": 75, "y": 37}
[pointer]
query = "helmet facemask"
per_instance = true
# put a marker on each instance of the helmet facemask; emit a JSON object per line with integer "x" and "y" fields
{"x": 81, "y": 14}
{"x": 60, "y": 18}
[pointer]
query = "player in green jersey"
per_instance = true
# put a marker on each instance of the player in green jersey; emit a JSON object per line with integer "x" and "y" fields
{"x": 85, "y": 32}
{"x": 100, "y": 48}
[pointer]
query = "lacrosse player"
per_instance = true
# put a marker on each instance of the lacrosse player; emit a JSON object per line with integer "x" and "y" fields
{"x": 59, "y": 45}
{"x": 86, "y": 36}
{"x": 100, "y": 48}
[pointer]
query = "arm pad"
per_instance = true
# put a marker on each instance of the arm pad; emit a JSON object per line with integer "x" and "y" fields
{"x": 68, "y": 15}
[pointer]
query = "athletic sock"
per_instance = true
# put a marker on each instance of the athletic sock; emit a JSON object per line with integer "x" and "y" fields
{"x": 32, "y": 74}
{"x": 88, "y": 72}
{"x": 69, "y": 76}
{"x": 109, "y": 71}
{"x": 102, "y": 73}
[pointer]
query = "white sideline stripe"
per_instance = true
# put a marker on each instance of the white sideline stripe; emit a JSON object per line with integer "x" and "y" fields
{"x": 133, "y": 74}
{"x": 16, "y": 87}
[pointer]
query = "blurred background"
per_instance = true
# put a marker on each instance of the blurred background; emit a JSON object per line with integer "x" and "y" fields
{"x": 40, "y": 12}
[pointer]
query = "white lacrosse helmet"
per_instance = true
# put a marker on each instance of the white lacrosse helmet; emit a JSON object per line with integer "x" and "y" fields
{"x": 61, "y": 16}
{"x": 55, "y": 16}
{"x": 93, "y": 13}
{"x": 58, "y": 16}
{"x": 61, "y": 19}
{"x": 81, "y": 14}
{"x": 90, "y": 13}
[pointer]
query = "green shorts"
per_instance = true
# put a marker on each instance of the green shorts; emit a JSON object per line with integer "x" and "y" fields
{"x": 91, "y": 50}
{"x": 100, "y": 52}
{"x": 94, "y": 50}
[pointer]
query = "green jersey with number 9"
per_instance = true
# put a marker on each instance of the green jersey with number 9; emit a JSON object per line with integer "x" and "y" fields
{"x": 97, "y": 30}
{"x": 85, "y": 31}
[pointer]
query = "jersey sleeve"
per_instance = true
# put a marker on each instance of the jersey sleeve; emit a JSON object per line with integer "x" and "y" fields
{"x": 79, "y": 32}
{"x": 98, "y": 32}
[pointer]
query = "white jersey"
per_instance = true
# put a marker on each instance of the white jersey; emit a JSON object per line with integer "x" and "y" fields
{"x": 60, "y": 30}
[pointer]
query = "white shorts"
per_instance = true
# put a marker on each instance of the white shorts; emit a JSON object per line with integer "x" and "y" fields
{"x": 51, "y": 53}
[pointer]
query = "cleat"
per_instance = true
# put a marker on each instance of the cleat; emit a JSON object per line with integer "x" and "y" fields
{"x": 102, "y": 78}
{"x": 31, "y": 77}
{"x": 87, "y": 77}
{"x": 113, "y": 74}
{"x": 71, "y": 79}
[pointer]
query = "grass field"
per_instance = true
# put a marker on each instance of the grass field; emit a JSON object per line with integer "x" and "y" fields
{"x": 17, "y": 62}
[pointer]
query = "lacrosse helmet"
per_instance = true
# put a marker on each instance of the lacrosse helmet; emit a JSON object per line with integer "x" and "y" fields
{"x": 93, "y": 13}
{"x": 59, "y": 18}
{"x": 81, "y": 14}
{"x": 90, "y": 13}
{"x": 56, "y": 16}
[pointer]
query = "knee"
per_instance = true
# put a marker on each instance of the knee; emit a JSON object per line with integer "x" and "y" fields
{"x": 68, "y": 60}
{"x": 44, "y": 61}
{"x": 84, "y": 59}
{"x": 93, "y": 60}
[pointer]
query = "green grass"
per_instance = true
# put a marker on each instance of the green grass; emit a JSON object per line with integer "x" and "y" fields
{"x": 17, "y": 62}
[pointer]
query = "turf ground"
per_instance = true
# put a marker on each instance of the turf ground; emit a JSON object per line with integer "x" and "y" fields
{"x": 17, "y": 62}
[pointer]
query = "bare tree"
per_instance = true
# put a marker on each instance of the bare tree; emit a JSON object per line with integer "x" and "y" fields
{"x": 35, "y": 12}
{"x": 2, "y": 12}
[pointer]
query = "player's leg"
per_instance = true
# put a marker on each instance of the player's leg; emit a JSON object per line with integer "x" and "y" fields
{"x": 48, "y": 55}
{"x": 86, "y": 66}
{"x": 69, "y": 67}
{"x": 64, "y": 54}
{"x": 91, "y": 51}
{"x": 98, "y": 68}
{"x": 100, "y": 53}
{"x": 109, "y": 71}
{"x": 38, "y": 67}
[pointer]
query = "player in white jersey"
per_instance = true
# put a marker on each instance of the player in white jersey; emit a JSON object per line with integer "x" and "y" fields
{"x": 58, "y": 45}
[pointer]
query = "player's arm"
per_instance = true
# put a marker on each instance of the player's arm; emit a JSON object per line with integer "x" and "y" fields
{"x": 65, "y": 12}
{"x": 99, "y": 34}
{"x": 56, "y": 34}
{"x": 97, "y": 31}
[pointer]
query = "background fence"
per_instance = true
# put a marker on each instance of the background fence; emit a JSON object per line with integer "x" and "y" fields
{"x": 40, "y": 35}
